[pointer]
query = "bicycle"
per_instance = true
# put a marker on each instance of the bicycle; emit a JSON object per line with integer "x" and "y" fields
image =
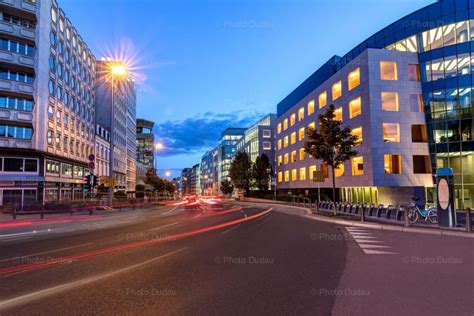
{"x": 414, "y": 213}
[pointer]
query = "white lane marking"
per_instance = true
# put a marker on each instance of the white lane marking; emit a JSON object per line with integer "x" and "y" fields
{"x": 160, "y": 227}
{"x": 27, "y": 298}
{"x": 365, "y": 240}
{"x": 45, "y": 252}
{"x": 230, "y": 229}
{"x": 26, "y": 233}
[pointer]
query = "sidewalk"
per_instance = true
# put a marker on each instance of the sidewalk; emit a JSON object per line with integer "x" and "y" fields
{"x": 355, "y": 222}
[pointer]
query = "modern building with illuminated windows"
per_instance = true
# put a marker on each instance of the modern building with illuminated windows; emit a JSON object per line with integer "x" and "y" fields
{"x": 407, "y": 91}
{"x": 47, "y": 127}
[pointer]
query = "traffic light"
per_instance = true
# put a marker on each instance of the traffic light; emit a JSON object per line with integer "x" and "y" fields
{"x": 91, "y": 180}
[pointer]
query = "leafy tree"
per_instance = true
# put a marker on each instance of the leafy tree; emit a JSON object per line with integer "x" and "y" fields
{"x": 261, "y": 171}
{"x": 241, "y": 171}
{"x": 331, "y": 143}
{"x": 227, "y": 187}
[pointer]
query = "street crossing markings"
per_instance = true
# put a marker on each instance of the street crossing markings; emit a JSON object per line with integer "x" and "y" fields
{"x": 366, "y": 240}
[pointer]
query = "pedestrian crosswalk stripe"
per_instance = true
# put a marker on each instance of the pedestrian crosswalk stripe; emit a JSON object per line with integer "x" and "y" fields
{"x": 368, "y": 242}
{"x": 377, "y": 252}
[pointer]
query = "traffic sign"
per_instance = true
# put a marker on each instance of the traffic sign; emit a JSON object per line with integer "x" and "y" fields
{"x": 91, "y": 165}
{"x": 91, "y": 157}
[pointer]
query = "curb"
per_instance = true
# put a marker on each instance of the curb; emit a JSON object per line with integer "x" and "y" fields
{"x": 419, "y": 230}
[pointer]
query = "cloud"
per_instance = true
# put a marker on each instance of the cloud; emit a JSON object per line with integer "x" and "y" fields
{"x": 198, "y": 134}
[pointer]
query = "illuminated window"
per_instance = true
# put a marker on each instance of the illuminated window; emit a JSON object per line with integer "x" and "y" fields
{"x": 292, "y": 119}
{"x": 355, "y": 107}
{"x": 388, "y": 70}
{"x": 310, "y": 107}
{"x": 414, "y": 72}
{"x": 339, "y": 171}
{"x": 280, "y": 160}
{"x": 338, "y": 114}
{"x": 285, "y": 124}
{"x": 293, "y": 138}
{"x": 353, "y": 80}
{"x": 280, "y": 176}
{"x": 279, "y": 128}
{"x": 303, "y": 174}
{"x": 301, "y": 133}
{"x": 300, "y": 114}
{"x": 279, "y": 144}
{"x": 391, "y": 132}
{"x": 293, "y": 156}
{"x": 390, "y": 101}
{"x": 287, "y": 176}
{"x": 358, "y": 166}
{"x": 312, "y": 126}
{"x": 312, "y": 170}
{"x": 358, "y": 132}
{"x": 336, "y": 90}
{"x": 325, "y": 170}
{"x": 285, "y": 141}
{"x": 323, "y": 99}
{"x": 302, "y": 154}
{"x": 294, "y": 175}
{"x": 392, "y": 164}
{"x": 287, "y": 159}
{"x": 416, "y": 103}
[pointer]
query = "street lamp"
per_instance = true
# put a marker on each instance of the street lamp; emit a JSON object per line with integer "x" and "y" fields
{"x": 158, "y": 147}
{"x": 167, "y": 174}
{"x": 117, "y": 70}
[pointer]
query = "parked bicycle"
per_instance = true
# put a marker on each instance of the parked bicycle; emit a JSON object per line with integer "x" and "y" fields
{"x": 414, "y": 213}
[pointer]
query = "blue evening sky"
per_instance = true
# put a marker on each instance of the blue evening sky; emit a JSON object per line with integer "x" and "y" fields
{"x": 204, "y": 65}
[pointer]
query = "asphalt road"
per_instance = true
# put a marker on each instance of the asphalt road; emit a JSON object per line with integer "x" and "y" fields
{"x": 167, "y": 262}
{"x": 239, "y": 259}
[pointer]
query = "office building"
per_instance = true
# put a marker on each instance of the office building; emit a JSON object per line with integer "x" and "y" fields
{"x": 47, "y": 76}
{"x": 145, "y": 143}
{"x": 102, "y": 152}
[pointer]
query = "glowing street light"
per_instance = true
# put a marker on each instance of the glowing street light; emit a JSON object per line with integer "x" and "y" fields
{"x": 167, "y": 174}
{"x": 159, "y": 146}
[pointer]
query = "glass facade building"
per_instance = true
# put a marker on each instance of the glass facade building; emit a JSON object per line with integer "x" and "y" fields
{"x": 442, "y": 36}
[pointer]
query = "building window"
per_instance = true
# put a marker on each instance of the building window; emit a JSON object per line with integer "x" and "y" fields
{"x": 16, "y": 76}
{"x": 388, "y": 70}
{"x": 419, "y": 134}
{"x": 267, "y": 146}
{"x": 416, "y": 103}
{"x": 391, "y": 132}
{"x": 355, "y": 107}
{"x": 293, "y": 138}
{"x": 16, "y": 103}
{"x": 58, "y": 117}
{"x": 421, "y": 164}
{"x": 358, "y": 166}
{"x": 390, "y": 101}
{"x": 300, "y": 114}
{"x": 16, "y": 132}
{"x": 49, "y": 137}
{"x": 302, "y": 154}
{"x": 285, "y": 124}
{"x": 312, "y": 170}
{"x": 50, "y": 112}
{"x": 280, "y": 176}
{"x": 303, "y": 174}
{"x": 414, "y": 72}
{"x": 287, "y": 159}
{"x": 339, "y": 171}
{"x": 358, "y": 132}
{"x": 58, "y": 140}
{"x": 301, "y": 133}
{"x": 325, "y": 170}
{"x": 52, "y": 38}
{"x": 51, "y": 87}
{"x": 292, "y": 119}
{"x": 279, "y": 144}
{"x": 312, "y": 126}
{"x": 13, "y": 165}
{"x": 336, "y": 90}
{"x": 293, "y": 156}
{"x": 393, "y": 164}
{"x": 279, "y": 128}
{"x": 54, "y": 15}
{"x": 267, "y": 133}
{"x": 294, "y": 175}
{"x": 285, "y": 142}
{"x": 323, "y": 99}
{"x": 353, "y": 79}
{"x": 287, "y": 176}
{"x": 310, "y": 107}
{"x": 338, "y": 114}
{"x": 280, "y": 160}
{"x": 16, "y": 47}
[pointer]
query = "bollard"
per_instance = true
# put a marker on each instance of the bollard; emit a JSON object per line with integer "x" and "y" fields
{"x": 362, "y": 213}
{"x": 405, "y": 215}
{"x": 468, "y": 220}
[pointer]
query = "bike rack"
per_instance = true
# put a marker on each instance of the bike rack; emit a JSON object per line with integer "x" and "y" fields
{"x": 371, "y": 209}
{"x": 388, "y": 213}
{"x": 379, "y": 210}
{"x": 400, "y": 212}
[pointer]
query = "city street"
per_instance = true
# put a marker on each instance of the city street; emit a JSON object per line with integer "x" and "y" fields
{"x": 238, "y": 259}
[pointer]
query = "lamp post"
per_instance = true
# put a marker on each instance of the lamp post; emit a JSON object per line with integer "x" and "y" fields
{"x": 117, "y": 70}
{"x": 158, "y": 147}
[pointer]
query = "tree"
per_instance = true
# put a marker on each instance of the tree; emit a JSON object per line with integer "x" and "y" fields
{"x": 227, "y": 187}
{"x": 240, "y": 171}
{"x": 261, "y": 171}
{"x": 331, "y": 143}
